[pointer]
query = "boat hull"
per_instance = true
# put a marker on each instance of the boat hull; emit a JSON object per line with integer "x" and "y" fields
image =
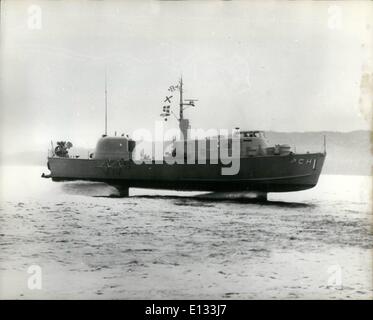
{"x": 280, "y": 173}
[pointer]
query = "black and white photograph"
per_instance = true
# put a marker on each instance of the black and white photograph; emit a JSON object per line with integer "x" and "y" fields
{"x": 186, "y": 150}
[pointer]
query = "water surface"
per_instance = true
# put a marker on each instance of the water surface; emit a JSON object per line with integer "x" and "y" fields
{"x": 183, "y": 245}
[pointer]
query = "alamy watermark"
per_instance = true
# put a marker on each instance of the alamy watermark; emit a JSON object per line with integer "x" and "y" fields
{"x": 334, "y": 17}
{"x": 335, "y": 277}
{"x": 34, "y": 281}
{"x": 34, "y": 19}
{"x": 200, "y": 146}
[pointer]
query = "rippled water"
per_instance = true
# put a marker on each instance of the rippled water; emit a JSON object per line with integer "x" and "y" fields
{"x": 158, "y": 244}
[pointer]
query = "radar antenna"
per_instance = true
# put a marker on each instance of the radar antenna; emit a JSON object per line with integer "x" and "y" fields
{"x": 105, "y": 102}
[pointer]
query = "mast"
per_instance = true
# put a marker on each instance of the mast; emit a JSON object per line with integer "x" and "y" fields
{"x": 181, "y": 98}
{"x": 184, "y": 123}
{"x": 324, "y": 144}
{"x": 183, "y": 104}
{"x": 105, "y": 103}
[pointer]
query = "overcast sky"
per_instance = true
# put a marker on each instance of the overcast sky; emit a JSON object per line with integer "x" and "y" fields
{"x": 284, "y": 66}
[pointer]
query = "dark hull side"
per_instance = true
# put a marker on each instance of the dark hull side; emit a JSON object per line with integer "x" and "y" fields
{"x": 283, "y": 173}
